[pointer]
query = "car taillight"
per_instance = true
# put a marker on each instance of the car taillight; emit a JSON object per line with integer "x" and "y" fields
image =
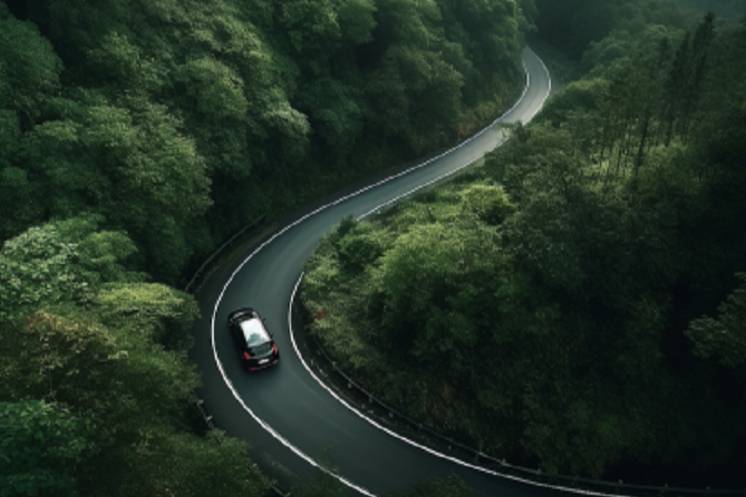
{"x": 246, "y": 356}
{"x": 274, "y": 348}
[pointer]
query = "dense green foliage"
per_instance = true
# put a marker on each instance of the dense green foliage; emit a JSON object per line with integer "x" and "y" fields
{"x": 137, "y": 135}
{"x": 41, "y": 447}
{"x": 102, "y": 353}
{"x": 722, "y": 338}
{"x": 181, "y": 122}
{"x": 574, "y": 303}
{"x": 572, "y": 25}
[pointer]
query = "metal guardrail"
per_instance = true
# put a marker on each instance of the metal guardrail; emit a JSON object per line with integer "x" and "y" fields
{"x": 202, "y": 270}
{"x": 387, "y": 415}
{"x": 273, "y": 490}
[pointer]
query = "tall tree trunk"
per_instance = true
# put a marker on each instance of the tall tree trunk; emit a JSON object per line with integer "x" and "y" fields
{"x": 644, "y": 131}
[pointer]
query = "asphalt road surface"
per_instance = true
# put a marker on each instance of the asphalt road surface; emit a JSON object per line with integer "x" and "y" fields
{"x": 293, "y": 423}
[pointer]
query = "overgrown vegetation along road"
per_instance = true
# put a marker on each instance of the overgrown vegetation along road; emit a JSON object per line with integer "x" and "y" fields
{"x": 135, "y": 136}
{"x": 576, "y": 303}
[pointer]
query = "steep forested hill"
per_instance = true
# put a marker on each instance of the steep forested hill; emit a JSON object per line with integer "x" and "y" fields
{"x": 160, "y": 115}
{"x": 137, "y": 135}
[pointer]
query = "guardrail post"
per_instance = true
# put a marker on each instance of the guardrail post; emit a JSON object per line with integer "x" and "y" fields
{"x": 207, "y": 418}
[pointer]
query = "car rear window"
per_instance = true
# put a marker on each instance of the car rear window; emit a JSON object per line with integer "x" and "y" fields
{"x": 262, "y": 349}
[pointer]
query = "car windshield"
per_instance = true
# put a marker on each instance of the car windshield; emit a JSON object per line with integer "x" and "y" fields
{"x": 254, "y": 333}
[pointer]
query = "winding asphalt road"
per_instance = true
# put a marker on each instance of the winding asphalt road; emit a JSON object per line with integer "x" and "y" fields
{"x": 293, "y": 423}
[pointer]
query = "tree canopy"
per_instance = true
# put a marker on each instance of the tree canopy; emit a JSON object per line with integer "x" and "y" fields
{"x": 136, "y": 136}
{"x": 572, "y": 304}
{"x": 178, "y": 123}
{"x": 104, "y": 353}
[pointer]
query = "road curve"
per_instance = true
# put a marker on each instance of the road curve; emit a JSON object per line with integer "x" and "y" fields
{"x": 293, "y": 424}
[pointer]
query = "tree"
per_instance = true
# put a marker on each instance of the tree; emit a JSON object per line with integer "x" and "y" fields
{"x": 134, "y": 167}
{"x": 426, "y": 282}
{"x": 154, "y": 309}
{"x": 41, "y": 447}
{"x": 214, "y": 91}
{"x": 358, "y": 247}
{"x": 334, "y": 114}
{"x": 357, "y": 20}
{"x": 29, "y": 68}
{"x": 60, "y": 262}
{"x": 723, "y": 338}
{"x": 190, "y": 466}
{"x": 37, "y": 268}
{"x": 120, "y": 63}
{"x": 411, "y": 88}
{"x": 311, "y": 26}
{"x": 490, "y": 203}
{"x": 697, "y": 70}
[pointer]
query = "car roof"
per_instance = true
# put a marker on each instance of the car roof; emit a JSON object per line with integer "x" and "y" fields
{"x": 253, "y": 332}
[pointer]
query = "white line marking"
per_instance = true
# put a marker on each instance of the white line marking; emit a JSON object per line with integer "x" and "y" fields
{"x": 219, "y": 364}
{"x": 394, "y": 200}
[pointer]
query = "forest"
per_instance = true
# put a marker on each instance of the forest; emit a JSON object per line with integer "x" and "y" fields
{"x": 179, "y": 122}
{"x": 579, "y": 302}
{"x": 136, "y": 136}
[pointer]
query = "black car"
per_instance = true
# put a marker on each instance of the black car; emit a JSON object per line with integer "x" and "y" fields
{"x": 258, "y": 349}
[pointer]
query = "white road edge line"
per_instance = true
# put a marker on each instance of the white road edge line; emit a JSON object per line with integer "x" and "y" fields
{"x": 216, "y": 357}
